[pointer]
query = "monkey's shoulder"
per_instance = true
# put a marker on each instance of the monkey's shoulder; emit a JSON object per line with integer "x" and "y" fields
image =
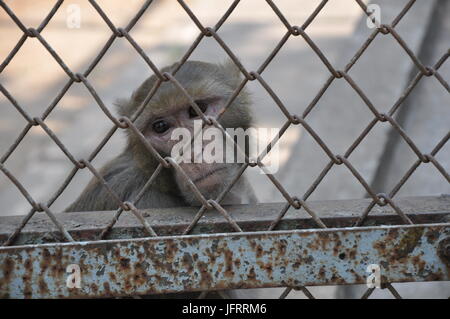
{"x": 126, "y": 180}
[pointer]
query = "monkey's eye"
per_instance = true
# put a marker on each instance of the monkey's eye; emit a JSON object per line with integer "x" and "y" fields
{"x": 202, "y": 105}
{"x": 160, "y": 126}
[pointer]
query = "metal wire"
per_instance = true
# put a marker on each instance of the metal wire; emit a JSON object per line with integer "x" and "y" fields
{"x": 291, "y": 119}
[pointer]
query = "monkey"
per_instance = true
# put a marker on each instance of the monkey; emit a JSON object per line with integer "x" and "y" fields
{"x": 210, "y": 86}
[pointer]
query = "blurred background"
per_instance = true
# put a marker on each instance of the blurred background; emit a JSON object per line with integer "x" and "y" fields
{"x": 296, "y": 75}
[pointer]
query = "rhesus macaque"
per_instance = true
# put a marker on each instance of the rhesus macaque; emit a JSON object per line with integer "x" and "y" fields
{"x": 210, "y": 85}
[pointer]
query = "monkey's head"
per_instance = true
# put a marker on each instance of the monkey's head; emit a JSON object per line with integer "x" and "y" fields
{"x": 210, "y": 86}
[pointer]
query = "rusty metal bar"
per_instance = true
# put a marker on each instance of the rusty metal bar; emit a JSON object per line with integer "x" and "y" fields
{"x": 87, "y": 226}
{"x": 223, "y": 261}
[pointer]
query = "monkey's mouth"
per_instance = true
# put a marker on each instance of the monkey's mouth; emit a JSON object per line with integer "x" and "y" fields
{"x": 209, "y": 174}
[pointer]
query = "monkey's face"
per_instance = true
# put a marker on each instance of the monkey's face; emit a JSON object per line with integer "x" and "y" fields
{"x": 168, "y": 132}
{"x": 164, "y": 128}
{"x": 168, "y": 114}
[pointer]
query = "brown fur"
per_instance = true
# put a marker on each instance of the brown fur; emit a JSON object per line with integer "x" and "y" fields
{"x": 128, "y": 173}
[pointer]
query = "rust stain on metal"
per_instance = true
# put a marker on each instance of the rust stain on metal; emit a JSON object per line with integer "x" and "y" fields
{"x": 228, "y": 256}
{"x": 409, "y": 241}
{"x": 444, "y": 251}
{"x": 225, "y": 261}
{"x": 205, "y": 276}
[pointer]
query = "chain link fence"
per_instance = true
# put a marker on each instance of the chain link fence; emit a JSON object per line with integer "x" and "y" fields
{"x": 418, "y": 245}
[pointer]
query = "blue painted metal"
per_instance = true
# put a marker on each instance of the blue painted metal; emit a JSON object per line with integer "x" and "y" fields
{"x": 224, "y": 261}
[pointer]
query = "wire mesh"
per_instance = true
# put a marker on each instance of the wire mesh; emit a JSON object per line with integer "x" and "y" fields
{"x": 128, "y": 123}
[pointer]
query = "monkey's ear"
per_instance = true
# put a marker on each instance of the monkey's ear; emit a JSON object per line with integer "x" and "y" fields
{"x": 231, "y": 70}
{"x": 124, "y": 107}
